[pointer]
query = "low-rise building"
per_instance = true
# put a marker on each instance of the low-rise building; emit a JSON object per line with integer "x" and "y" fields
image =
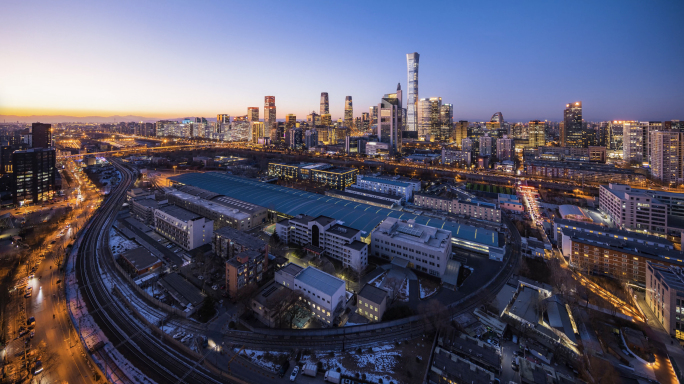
{"x": 394, "y": 199}
{"x": 372, "y": 302}
{"x": 324, "y": 236}
{"x": 228, "y": 242}
{"x": 141, "y": 261}
{"x": 449, "y": 368}
{"x": 511, "y": 203}
{"x": 323, "y": 293}
{"x": 245, "y": 268}
{"x": 186, "y": 229}
{"x": 286, "y": 275}
{"x": 474, "y": 208}
{"x": 560, "y": 225}
{"x": 456, "y": 156}
{"x": 665, "y": 296}
{"x": 578, "y": 170}
{"x": 322, "y": 173}
{"x": 396, "y": 185}
{"x": 633, "y": 209}
{"x": 142, "y": 208}
{"x": 187, "y": 295}
{"x": 420, "y": 247}
{"x": 344, "y": 195}
{"x": 615, "y": 257}
{"x": 222, "y": 210}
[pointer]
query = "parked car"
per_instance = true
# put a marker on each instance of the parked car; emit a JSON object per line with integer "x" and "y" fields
{"x": 37, "y": 367}
{"x": 179, "y": 335}
{"x": 215, "y": 287}
{"x": 294, "y": 373}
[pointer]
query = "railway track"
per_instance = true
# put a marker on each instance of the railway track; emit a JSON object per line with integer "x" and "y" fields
{"x": 151, "y": 356}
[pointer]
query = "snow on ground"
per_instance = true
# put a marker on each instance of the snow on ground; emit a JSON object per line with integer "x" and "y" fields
{"x": 124, "y": 365}
{"x": 348, "y": 324}
{"x": 379, "y": 364}
{"x": 377, "y": 280}
{"x": 120, "y": 244}
{"x": 263, "y": 359}
{"x": 426, "y": 292}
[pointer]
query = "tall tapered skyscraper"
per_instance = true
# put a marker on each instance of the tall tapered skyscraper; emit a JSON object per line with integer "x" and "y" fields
{"x": 269, "y": 115}
{"x": 412, "y": 101}
{"x": 348, "y": 112}
{"x": 325, "y": 107}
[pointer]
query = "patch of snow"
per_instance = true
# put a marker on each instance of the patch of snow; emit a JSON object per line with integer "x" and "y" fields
{"x": 258, "y": 359}
{"x": 426, "y": 292}
{"x": 119, "y": 244}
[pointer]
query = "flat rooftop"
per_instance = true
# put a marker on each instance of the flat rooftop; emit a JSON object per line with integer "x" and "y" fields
{"x": 373, "y": 293}
{"x": 320, "y": 280}
{"x": 292, "y": 202}
{"x": 421, "y": 235}
{"x": 242, "y": 238}
{"x": 181, "y": 290}
{"x": 613, "y": 232}
{"x": 140, "y": 258}
{"x": 208, "y": 204}
{"x": 291, "y": 269}
{"x": 343, "y": 231}
{"x": 358, "y": 191}
{"x": 629, "y": 247}
{"x": 348, "y": 196}
{"x": 386, "y": 181}
{"x": 180, "y": 213}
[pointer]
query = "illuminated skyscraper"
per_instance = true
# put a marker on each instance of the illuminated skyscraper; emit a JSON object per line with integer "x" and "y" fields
{"x": 574, "y": 132}
{"x": 325, "y": 106}
{"x": 348, "y": 112}
{"x": 665, "y": 152}
{"x": 429, "y": 119}
{"x": 290, "y": 121}
{"x": 326, "y": 120}
{"x": 389, "y": 123}
{"x": 313, "y": 119}
{"x": 252, "y": 114}
{"x": 42, "y": 135}
{"x": 269, "y": 115}
{"x": 497, "y": 118}
{"x": 460, "y": 131}
{"x": 373, "y": 115}
{"x": 446, "y": 117}
{"x": 536, "y": 133}
{"x": 412, "y": 101}
{"x": 257, "y": 128}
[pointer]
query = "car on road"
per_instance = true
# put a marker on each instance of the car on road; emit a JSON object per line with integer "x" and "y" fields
{"x": 23, "y": 331}
{"x": 294, "y": 373}
{"x": 37, "y": 367}
{"x": 215, "y": 287}
{"x": 28, "y": 294}
{"x": 179, "y": 335}
{"x": 31, "y": 321}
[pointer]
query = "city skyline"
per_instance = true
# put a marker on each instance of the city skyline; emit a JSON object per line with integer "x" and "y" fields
{"x": 56, "y": 69}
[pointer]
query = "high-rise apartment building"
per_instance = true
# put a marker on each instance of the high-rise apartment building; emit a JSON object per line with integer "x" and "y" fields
{"x": 325, "y": 105}
{"x": 486, "y": 144}
{"x": 536, "y": 133}
{"x": 412, "y": 60}
{"x": 294, "y": 138}
{"x": 311, "y": 138}
{"x": 348, "y": 112}
{"x": 389, "y": 123}
{"x": 666, "y": 156}
{"x": 497, "y": 118}
{"x": 429, "y": 119}
{"x": 575, "y": 134}
{"x": 633, "y": 141}
{"x": 42, "y": 135}
{"x": 313, "y": 119}
{"x": 505, "y": 148}
{"x": 446, "y": 116}
{"x": 252, "y": 114}
{"x": 365, "y": 122}
{"x": 257, "y": 128}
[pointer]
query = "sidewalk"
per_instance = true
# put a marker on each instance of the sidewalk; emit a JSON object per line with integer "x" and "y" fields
{"x": 665, "y": 342}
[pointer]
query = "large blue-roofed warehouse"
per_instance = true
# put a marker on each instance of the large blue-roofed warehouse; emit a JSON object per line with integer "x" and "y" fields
{"x": 290, "y": 202}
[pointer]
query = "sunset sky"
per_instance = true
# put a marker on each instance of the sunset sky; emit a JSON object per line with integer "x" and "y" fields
{"x": 527, "y": 59}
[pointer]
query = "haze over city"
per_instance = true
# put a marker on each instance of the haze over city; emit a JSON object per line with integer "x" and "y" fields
{"x": 175, "y": 59}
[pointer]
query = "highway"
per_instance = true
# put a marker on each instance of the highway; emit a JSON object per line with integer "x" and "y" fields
{"x": 158, "y": 361}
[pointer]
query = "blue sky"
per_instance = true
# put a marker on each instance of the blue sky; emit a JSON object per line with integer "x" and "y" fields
{"x": 527, "y": 59}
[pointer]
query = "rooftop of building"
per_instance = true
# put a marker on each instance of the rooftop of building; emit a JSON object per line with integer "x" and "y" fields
{"x": 508, "y": 197}
{"x": 630, "y": 247}
{"x": 179, "y": 213}
{"x": 357, "y": 245}
{"x": 292, "y": 202}
{"x": 212, "y": 205}
{"x": 343, "y": 231}
{"x": 396, "y": 183}
{"x": 525, "y": 305}
{"x": 270, "y": 295}
{"x": 621, "y": 191}
{"x": 199, "y": 192}
{"x": 352, "y": 189}
{"x": 243, "y": 257}
{"x": 242, "y": 238}
{"x": 672, "y": 276}
{"x": 373, "y": 293}
{"x": 479, "y": 203}
{"x": 450, "y": 365}
{"x": 348, "y": 195}
{"x": 291, "y": 269}
{"x": 584, "y": 166}
{"x": 145, "y": 202}
{"x": 182, "y": 290}
{"x": 412, "y": 232}
{"x": 476, "y": 349}
{"x": 140, "y": 258}
{"x": 320, "y": 280}
{"x": 614, "y": 232}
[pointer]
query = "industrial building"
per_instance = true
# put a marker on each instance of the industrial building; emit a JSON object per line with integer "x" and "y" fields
{"x": 289, "y": 202}
{"x": 321, "y": 173}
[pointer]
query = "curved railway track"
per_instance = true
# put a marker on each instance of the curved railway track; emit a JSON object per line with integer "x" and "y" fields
{"x": 159, "y": 361}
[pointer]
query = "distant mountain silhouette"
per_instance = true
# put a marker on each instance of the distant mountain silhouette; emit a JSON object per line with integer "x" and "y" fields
{"x": 84, "y": 119}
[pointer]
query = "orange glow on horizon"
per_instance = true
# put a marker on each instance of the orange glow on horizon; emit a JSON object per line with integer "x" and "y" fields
{"x": 28, "y": 112}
